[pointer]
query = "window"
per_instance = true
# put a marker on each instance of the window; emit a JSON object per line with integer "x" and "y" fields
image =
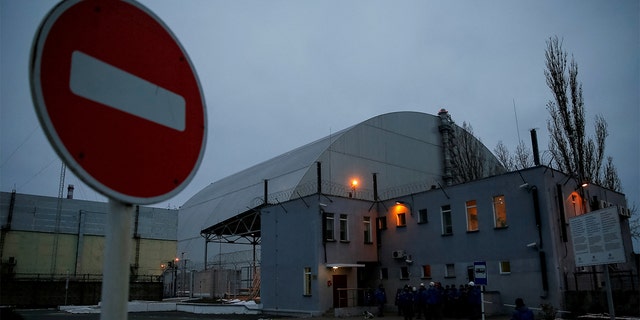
{"x": 426, "y": 271}
{"x": 307, "y": 281}
{"x": 422, "y": 216}
{"x": 450, "y": 270}
{"x": 382, "y": 223}
{"x": 447, "y": 226}
{"x": 404, "y": 272}
{"x": 344, "y": 228}
{"x": 402, "y": 219}
{"x": 366, "y": 224}
{"x": 499, "y": 212}
{"x": 328, "y": 227}
{"x": 384, "y": 273}
{"x": 505, "y": 267}
{"x": 472, "y": 216}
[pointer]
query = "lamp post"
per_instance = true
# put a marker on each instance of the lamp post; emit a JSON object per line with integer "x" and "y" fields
{"x": 175, "y": 277}
{"x": 354, "y": 185}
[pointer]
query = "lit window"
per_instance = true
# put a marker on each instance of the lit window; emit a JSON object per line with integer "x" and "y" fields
{"x": 422, "y": 216}
{"x": 505, "y": 267}
{"x": 450, "y": 270}
{"x": 328, "y": 227}
{"x": 472, "y": 216}
{"x": 499, "y": 212}
{"x": 307, "y": 281}
{"x": 404, "y": 272}
{"x": 447, "y": 226}
{"x": 402, "y": 219}
{"x": 366, "y": 224}
{"x": 426, "y": 271}
{"x": 344, "y": 228}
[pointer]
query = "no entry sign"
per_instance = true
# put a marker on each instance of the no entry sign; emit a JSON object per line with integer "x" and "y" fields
{"x": 118, "y": 99}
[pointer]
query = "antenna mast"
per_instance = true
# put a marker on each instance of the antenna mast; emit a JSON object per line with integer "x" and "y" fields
{"x": 516, "y": 115}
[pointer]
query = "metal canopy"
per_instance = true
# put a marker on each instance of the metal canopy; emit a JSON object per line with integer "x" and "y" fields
{"x": 243, "y": 229}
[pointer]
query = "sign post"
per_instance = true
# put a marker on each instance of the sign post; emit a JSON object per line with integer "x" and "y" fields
{"x": 480, "y": 278}
{"x": 115, "y": 282}
{"x": 597, "y": 240}
{"x": 120, "y": 102}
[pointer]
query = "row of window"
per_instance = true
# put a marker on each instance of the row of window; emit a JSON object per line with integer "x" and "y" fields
{"x": 471, "y": 210}
{"x": 449, "y": 271}
{"x": 343, "y": 228}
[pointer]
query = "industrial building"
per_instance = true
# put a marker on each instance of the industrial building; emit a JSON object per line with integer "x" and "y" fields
{"x": 47, "y": 242}
{"x": 389, "y": 201}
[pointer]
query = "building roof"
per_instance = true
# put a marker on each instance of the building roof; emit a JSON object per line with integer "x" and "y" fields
{"x": 404, "y": 150}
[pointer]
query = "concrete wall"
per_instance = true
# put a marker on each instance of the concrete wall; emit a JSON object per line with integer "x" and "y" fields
{"x": 44, "y": 235}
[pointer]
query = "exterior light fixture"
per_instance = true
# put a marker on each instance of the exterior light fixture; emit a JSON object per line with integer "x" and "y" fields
{"x": 585, "y": 184}
{"x": 354, "y": 185}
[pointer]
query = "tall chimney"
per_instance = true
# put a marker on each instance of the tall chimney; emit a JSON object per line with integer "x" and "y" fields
{"x": 70, "y": 191}
{"x": 446, "y": 131}
{"x": 534, "y": 145}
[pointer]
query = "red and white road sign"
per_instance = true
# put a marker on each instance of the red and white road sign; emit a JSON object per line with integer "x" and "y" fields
{"x": 118, "y": 99}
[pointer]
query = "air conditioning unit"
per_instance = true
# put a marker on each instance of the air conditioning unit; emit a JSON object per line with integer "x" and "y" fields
{"x": 624, "y": 212}
{"x": 398, "y": 254}
{"x": 603, "y": 204}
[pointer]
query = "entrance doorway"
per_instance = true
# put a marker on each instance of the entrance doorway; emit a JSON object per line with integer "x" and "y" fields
{"x": 340, "y": 294}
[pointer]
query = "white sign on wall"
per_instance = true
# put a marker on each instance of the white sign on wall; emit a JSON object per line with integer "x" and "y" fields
{"x": 597, "y": 238}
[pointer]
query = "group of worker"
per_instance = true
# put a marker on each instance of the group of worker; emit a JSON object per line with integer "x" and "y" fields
{"x": 435, "y": 301}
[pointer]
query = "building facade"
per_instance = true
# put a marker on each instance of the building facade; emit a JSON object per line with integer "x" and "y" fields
{"x": 382, "y": 203}
{"x": 323, "y": 252}
{"x": 49, "y": 237}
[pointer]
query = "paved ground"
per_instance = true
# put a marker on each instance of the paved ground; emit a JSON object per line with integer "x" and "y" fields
{"x": 51, "y": 314}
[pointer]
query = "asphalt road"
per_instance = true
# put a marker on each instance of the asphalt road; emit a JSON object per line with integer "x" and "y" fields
{"x": 51, "y": 314}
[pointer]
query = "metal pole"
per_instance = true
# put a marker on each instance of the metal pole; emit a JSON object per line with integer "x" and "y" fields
{"x": 612, "y": 312}
{"x": 115, "y": 281}
{"x": 482, "y": 301}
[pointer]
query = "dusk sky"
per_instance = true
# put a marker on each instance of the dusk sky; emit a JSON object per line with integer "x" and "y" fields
{"x": 279, "y": 74}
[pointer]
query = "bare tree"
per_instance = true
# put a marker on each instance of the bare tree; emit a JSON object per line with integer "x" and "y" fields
{"x": 634, "y": 223}
{"x": 611, "y": 179}
{"x": 523, "y": 158}
{"x": 504, "y": 156}
{"x": 572, "y": 151}
{"x": 469, "y": 157}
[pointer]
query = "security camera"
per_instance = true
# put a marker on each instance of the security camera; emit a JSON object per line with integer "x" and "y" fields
{"x": 532, "y": 245}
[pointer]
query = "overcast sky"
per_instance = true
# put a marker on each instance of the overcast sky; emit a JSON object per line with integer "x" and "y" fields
{"x": 279, "y": 74}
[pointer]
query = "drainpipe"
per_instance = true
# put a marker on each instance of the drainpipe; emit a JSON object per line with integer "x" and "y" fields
{"x": 543, "y": 258}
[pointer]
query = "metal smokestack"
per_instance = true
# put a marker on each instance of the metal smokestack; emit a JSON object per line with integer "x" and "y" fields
{"x": 446, "y": 131}
{"x": 534, "y": 145}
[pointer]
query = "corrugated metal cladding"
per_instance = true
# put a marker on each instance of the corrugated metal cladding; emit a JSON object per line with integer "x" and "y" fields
{"x": 404, "y": 149}
{"x": 39, "y": 214}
